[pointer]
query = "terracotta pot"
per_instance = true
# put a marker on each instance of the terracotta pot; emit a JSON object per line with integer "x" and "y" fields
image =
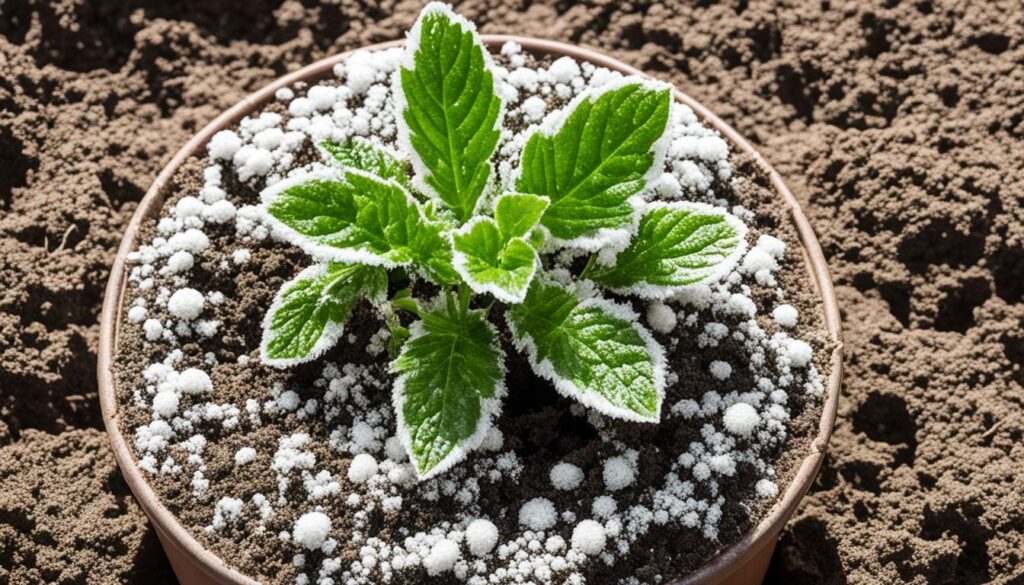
{"x": 744, "y": 562}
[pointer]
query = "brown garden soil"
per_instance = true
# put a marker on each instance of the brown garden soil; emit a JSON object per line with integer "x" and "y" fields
{"x": 899, "y": 124}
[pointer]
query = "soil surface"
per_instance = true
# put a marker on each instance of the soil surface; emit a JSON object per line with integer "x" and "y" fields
{"x": 899, "y": 124}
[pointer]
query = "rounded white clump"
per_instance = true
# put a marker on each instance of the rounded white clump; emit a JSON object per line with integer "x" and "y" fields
{"x": 767, "y": 488}
{"x": 221, "y": 211}
{"x": 534, "y": 108}
{"x": 481, "y": 536}
{"x": 289, "y": 400}
{"x": 443, "y": 556}
{"x": 194, "y": 381}
{"x": 180, "y": 261}
{"x": 188, "y": 206}
{"x": 603, "y": 506}
{"x": 190, "y": 240}
{"x": 311, "y": 529}
{"x": 186, "y": 303}
{"x": 245, "y": 455}
{"x": 786, "y": 315}
{"x": 362, "y": 468}
{"x": 566, "y": 476}
{"x": 224, "y": 145}
{"x": 720, "y": 370}
{"x": 165, "y": 404}
{"x": 798, "y": 352}
{"x": 538, "y": 514}
{"x": 136, "y": 314}
{"x": 661, "y": 317}
{"x": 153, "y": 329}
{"x": 564, "y": 70}
{"x": 322, "y": 96}
{"x": 588, "y": 537}
{"x": 741, "y": 419}
{"x": 618, "y": 473}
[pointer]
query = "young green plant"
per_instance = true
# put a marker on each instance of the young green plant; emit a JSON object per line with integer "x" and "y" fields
{"x": 447, "y": 227}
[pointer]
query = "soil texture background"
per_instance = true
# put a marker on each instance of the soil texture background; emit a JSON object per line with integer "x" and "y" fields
{"x": 898, "y": 123}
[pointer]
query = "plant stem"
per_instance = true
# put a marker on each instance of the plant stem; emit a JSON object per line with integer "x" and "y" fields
{"x": 590, "y": 264}
{"x": 464, "y": 294}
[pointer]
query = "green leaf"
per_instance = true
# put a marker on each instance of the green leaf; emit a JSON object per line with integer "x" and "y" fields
{"x": 593, "y": 350}
{"x": 361, "y": 154}
{"x": 449, "y": 387}
{"x": 308, "y": 313}
{"x": 449, "y": 109}
{"x": 677, "y": 244}
{"x": 489, "y": 263}
{"x": 357, "y": 217}
{"x": 602, "y": 154}
{"x": 518, "y": 213}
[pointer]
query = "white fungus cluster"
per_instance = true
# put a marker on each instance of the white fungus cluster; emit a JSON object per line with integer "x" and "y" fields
{"x": 368, "y": 473}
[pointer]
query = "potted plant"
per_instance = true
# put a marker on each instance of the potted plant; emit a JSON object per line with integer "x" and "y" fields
{"x": 469, "y": 317}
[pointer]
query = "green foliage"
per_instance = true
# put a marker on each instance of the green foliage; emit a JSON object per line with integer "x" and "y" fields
{"x": 375, "y": 221}
{"x": 449, "y": 376}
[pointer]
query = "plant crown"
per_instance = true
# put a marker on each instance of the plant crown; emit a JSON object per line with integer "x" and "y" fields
{"x": 481, "y": 250}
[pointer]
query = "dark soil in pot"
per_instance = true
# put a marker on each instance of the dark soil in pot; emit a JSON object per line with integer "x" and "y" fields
{"x": 240, "y": 459}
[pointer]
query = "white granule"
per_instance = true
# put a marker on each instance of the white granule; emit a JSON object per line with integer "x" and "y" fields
{"x": 618, "y": 473}
{"x": 443, "y": 556}
{"x": 394, "y": 449}
{"x": 322, "y": 96}
{"x": 289, "y": 400}
{"x": 186, "y": 303}
{"x": 226, "y": 510}
{"x": 362, "y": 468}
{"x": 538, "y": 514}
{"x": 180, "y": 261}
{"x": 588, "y": 538}
{"x": 300, "y": 107}
{"x": 723, "y": 464}
{"x": 798, "y": 352}
{"x": 241, "y": 256}
{"x": 190, "y": 240}
{"x": 221, "y": 211}
{"x": 757, "y": 260}
{"x": 720, "y": 370}
{"x": 136, "y": 314}
{"x": 523, "y": 78}
{"x": 566, "y": 476}
{"x": 772, "y": 245}
{"x": 284, "y": 94}
{"x": 767, "y": 488}
{"x": 153, "y": 329}
{"x": 165, "y": 404}
{"x": 534, "y": 108}
{"x": 740, "y": 304}
{"x": 741, "y": 419}
{"x": 481, "y": 536}
{"x": 224, "y": 145}
{"x": 253, "y": 162}
{"x": 786, "y": 315}
{"x": 194, "y": 381}
{"x": 188, "y": 206}
{"x": 564, "y": 70}
{"x": 493, "y": 440}
{"x": 661, "y": 317}
{"x": 245, "y": 455}
{"x": 554, "y": 544}
{"x": 603, "y": 506}
{"x": 311, "y": 529}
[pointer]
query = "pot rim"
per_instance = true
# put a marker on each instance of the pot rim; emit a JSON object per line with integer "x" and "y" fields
{"x": 721, "y": 566}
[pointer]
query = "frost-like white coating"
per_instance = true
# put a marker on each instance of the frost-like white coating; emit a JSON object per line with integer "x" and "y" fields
{"x": 481, "y": 536}
{"x": 786, "y": 315}
{"x": 186, "y": 303}
{"x": 741, "y": 419}
{"x": 362, "y": 468}
{"x": 619, "y": 472}
{"x": 311, "y": 530}
{"x": 566, "y": 476}
{"x": 588, "y": 537}
{"x": 443, "y": 556}
{"x": 538, "y": 514}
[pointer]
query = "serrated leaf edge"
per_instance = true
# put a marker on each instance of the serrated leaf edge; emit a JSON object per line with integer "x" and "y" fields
{"x": 490, "y": 408}
{"x": 328, "y": 339}
{"x": 553, "y": 122}
{"x": 545, "y": 369}
{"x": 459, "y": 260}
{"x": 321, "y": 252}
{"x": 659, "y": 292}
{"x": 412, "y": 43}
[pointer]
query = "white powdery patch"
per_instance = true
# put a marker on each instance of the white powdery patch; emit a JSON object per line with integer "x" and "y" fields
{"x": 588, "y": 537}
{"x": 619, "y": 473}
{"x": 311, "y": 530}
{"x": 538, "y": 514}
{"x": 186, "y": 304}
{"x": 566, "y": 476}
{"x": 741, "y": 419}
{"x": 786, "y": 315}
{"x": 481, "y": 536}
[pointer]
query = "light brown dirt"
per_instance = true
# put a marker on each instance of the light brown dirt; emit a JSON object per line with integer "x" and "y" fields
{"x": 899, "y": 123}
